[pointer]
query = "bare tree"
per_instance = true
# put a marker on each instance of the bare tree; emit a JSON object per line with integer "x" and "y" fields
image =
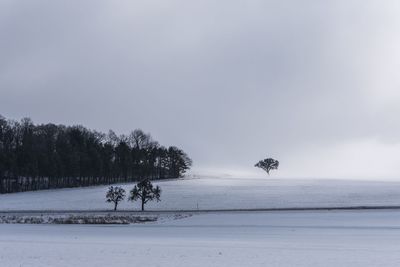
{"x": 115, "y": 194}
{"x": 140, "y": 140}
{"x": 145, "y": 192}
{"x": 268, "y": 164}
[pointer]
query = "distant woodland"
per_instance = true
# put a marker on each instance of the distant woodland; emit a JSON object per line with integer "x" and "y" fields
{"x": 35, "y": 157}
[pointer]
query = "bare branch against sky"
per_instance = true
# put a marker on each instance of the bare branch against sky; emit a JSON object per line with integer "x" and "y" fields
{"x": 314, "y": 84}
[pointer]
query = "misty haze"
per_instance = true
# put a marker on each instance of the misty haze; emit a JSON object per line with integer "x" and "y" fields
{"x": 206, "y": 133}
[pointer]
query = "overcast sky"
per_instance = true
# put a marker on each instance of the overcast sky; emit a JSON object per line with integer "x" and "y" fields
{"x": 314, "y": 84}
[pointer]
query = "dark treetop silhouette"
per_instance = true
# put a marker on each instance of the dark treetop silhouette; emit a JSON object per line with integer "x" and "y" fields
{"x": 268, "y": 164}
{"x": 145, "y": 192}
{"x": 115, "y": 195}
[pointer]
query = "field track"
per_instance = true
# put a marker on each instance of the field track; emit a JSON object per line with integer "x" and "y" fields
{"x": 102, "y": 212}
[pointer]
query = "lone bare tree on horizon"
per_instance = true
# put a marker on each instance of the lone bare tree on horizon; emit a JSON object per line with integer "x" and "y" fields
{"x": 268, "y": 164}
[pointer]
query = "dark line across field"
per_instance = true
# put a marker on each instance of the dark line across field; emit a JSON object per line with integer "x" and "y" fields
{"x": 193, "y": 211}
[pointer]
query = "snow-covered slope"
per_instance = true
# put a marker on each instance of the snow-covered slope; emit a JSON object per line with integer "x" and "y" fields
{"x": 328, "y": 239}
{"x": 219, "y": 193}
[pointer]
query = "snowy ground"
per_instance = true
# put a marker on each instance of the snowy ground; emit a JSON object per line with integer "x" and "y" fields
{"x": 329, "y": 239}
{"x": 220, "y": 193}
{"x": 318, "y": 238}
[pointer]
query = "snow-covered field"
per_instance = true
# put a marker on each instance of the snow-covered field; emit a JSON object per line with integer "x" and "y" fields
{"x": 328, "y": 239}
{"x": 303, "y": 238}
{"x": 220, "y": 193}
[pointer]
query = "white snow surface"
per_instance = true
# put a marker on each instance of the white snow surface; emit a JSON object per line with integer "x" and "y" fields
{"x": 219, "y": 193}
{"x": 301, "y": 239}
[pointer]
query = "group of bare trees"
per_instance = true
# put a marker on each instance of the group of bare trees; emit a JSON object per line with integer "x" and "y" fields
{"x": 34, "y": 157}
{"x": 143, "y": 191}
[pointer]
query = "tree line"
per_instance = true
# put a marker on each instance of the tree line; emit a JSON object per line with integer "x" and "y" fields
{"x": 35, "y": 157}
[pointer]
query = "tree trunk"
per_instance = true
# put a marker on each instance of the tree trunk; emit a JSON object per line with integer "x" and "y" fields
{"x": 142, "y": 205}
{"x": 115, "y": 206}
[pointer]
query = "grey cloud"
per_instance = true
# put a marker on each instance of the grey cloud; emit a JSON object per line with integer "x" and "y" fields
{"x": 228, "y": 81}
